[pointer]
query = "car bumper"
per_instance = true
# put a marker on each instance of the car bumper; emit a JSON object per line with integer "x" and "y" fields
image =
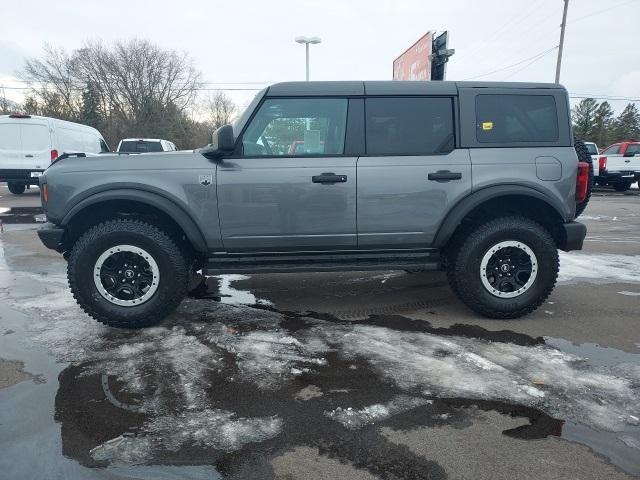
{"x": 574, "y": 234}
{"x": 51, "y": 236}
{"x": 623, "y": 176}
{"x": 30, "y": 177}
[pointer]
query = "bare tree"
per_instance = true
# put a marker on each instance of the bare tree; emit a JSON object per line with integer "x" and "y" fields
{"x": 7, "y": 105}
{"x": 220, "y": 109}
{"x": 129, "y": 88}
{"x": 55, "y": 87}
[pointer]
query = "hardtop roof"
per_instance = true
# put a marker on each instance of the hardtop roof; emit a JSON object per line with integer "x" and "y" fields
{"x": 392, "y": 87}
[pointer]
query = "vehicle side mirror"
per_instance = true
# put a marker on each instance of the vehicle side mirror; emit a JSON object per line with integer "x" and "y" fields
{"x": 222, "y": 142}
{"x": 629, "y": 154}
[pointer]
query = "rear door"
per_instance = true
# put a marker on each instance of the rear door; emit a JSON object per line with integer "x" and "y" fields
{"x": 618, "y": 162}
{"x": 411, "y": 173}
{"x": 25, "y": 144}
{"x": 292, "y": 185}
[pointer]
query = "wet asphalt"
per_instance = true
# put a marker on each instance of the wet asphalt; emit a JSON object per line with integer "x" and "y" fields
{"x": 357, "y": 375}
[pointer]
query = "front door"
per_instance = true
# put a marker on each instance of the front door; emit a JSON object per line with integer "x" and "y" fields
{"x": 291, "y": 188}
{"x": 412, "y": 174}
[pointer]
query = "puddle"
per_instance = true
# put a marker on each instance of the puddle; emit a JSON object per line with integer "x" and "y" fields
{"x": 237, "y": 381}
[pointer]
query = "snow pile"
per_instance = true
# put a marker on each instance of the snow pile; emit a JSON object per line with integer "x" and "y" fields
{"x": 599, "y": 268}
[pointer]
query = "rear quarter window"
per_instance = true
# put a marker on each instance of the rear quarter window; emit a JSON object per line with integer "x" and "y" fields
{"x": 516, "y": 118}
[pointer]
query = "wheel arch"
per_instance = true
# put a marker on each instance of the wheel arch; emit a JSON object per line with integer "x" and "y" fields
{"x": 101, "y": 205}
{"x": 503, "y": 200}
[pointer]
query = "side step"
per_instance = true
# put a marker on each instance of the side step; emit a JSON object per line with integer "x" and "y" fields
{"x": 282, "y": 262}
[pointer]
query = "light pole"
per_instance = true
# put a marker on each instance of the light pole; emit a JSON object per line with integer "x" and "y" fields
{"x": 307, "y": 41}
{"x": 561, "y": 46}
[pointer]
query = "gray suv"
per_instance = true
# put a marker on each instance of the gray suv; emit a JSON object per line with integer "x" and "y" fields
{"x": 478, "y": 179}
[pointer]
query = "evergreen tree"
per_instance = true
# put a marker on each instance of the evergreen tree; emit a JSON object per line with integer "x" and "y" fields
{"x": 583, "y": 118}
{"x": 603, "y": 125}
{"x": 627, "y": 125}
{"x": 89, "y": 108}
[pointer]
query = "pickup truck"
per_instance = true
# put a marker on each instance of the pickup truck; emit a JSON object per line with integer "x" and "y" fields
{"x": 619, "y": 165}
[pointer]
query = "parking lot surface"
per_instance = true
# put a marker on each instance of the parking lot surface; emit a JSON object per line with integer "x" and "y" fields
{"x": 358, "y": 375}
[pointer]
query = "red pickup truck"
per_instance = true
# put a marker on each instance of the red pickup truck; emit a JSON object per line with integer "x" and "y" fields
{"x": 619, "y": 165}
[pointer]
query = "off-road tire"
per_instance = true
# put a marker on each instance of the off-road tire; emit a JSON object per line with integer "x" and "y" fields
{"x": 173, "y": 265}
{"x": 463, "y": 266}
{"x": 16, "y": 188}
{"x": 584, "y": 156}
{"x": 622, "y": 186}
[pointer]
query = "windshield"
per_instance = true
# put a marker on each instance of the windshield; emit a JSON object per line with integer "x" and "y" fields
{"x": 591, "y": 147}
{"x": 139, "y": 146}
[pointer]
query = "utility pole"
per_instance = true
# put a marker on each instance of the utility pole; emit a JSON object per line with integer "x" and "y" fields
{"x": 561, "y": 46}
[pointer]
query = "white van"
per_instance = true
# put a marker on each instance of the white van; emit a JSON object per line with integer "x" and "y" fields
{"x": 28, "y": 144}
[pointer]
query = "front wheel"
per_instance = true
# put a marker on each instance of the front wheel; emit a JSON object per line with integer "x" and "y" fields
{"x": 127, "y": 273}
{"x": 505, "y": 268}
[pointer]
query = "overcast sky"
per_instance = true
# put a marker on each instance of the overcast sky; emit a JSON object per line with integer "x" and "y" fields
{"x": 253, "y": 41}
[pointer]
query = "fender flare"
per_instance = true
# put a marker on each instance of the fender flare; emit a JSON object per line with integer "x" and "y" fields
{"x": 467, "y": 204}
{"x": 165, "y": 205}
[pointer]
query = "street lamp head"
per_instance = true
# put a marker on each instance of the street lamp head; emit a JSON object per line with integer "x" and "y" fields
{"x": 312, "y": 40}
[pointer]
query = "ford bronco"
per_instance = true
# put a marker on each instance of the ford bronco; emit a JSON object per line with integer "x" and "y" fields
{"x": 479, "y": 179}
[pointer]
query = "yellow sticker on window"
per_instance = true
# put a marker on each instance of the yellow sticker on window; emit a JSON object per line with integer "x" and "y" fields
{"x": 487, "y": 125}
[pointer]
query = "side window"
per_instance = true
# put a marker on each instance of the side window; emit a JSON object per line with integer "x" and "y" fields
{"x": 297, "y": 127}
{"x": 409, "y": 125}
{"x": 516, "y": 118}
{"x": 104, "y": 148}
{"x": 633, "y": 149}
{"x": 612, "y": 150}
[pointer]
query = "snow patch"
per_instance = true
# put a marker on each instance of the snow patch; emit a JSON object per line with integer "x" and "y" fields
{"x": 599, "y": 268}
{"x": 356, "y": 418}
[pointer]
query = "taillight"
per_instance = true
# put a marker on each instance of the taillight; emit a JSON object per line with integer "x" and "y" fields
{"x": 602, "y": 163}
{"x": 582, "y": 182}
{"x": 44, "y": 193}
{"x": 54, "y": 155}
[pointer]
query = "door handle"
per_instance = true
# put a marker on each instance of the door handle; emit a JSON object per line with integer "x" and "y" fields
{"x": 329, "y": 178}
{"x": 444, "y": 176}
{"x": 29, "y": 156}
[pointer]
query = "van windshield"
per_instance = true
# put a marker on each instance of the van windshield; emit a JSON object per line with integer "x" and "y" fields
{"x": 139, "y": 146}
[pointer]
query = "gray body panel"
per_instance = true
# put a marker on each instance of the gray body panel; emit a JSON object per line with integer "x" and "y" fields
{"x": 271, "y": 203}
{"x": 398, "y": 206}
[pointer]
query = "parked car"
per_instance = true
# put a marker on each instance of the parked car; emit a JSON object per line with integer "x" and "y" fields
{"x": 29, "y": 143}
{"x": 619, "y": 165}
{"x": 144, "y": 145}
{"x": 478, "y": 179}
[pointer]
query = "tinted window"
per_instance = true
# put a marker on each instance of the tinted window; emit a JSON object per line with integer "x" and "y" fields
{"x": 409, "y": 126}
{"x": 516, "y": 118}
{"x": 297, "y": 127}
{"x": 104, "y": 148}
{"x": 9, "y": 136}
{"x": 612, "y": 150}
{"x": 634, "y": 149}
{"x": 139, "y": 146}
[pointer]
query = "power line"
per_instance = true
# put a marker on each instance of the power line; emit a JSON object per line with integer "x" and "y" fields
{"x": 539, "y": 57}
{"x": 539, "y": 54}
{"x": 602, "y": 11}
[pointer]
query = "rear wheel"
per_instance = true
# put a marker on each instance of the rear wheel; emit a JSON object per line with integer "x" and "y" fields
{"x": 622, "y": 186}
{"x": 505, "y": 268}
{"x": 16, "y": 188}
{"x": 127, "y": 273}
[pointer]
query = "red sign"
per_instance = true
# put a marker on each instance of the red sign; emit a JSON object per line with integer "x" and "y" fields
{"x": 414, "y": 63}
